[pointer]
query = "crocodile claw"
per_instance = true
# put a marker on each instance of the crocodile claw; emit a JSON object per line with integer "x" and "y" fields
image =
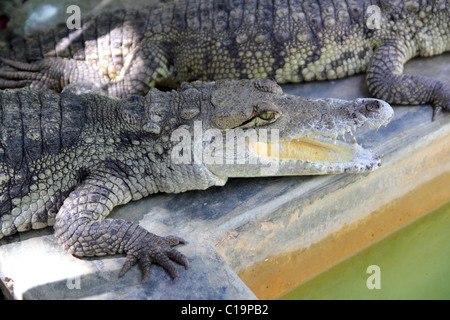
{"x": 441, "y": 100}
{"x": 154, "y": 249}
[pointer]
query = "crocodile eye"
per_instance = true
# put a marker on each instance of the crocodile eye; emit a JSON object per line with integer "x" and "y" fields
{"x": 262, "y": 119}
{"x": 267, "y": 116}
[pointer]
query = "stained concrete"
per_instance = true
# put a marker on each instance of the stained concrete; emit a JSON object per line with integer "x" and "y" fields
{"x": 230, "y": 228}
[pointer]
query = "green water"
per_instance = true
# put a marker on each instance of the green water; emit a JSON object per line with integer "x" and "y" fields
{"x": 414, "y": 263}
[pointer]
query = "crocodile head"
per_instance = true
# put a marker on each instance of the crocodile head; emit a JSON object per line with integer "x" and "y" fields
{"x": 251, "y": 128}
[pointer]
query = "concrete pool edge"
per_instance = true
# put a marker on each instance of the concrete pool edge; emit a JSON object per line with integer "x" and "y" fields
{"x": 277, "y": 274}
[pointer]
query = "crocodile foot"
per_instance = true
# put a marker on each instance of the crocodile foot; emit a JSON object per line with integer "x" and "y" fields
{"x": 150, "y": 248}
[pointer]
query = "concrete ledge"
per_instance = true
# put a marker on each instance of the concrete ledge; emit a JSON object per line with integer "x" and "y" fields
{"x": 393, "y": 198}
{"x": 231, "y": 228}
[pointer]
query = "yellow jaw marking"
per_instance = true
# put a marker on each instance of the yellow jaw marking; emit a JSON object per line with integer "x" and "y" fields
{"x": 304, "y": 149}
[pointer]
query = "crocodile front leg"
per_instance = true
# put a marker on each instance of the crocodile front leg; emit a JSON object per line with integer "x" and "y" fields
{"x": 81, "y": 228}
{"x": 52, "y": 73}
{"x": 386, "y": 81}
{"x": 145, "y": 67}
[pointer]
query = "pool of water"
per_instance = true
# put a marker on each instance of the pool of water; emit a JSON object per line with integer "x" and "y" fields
{"x": 411, "y": 263}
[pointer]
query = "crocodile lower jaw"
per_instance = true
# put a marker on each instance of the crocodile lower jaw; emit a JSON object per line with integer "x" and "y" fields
{"x": 316, "y": 156}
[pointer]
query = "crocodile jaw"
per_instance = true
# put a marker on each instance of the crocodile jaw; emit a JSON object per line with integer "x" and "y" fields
{"x": 307, "y": 156}
{"x": 299, "y": 150}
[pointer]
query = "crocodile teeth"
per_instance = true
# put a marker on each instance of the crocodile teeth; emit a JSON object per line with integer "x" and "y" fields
{"x": 351, "y": 133}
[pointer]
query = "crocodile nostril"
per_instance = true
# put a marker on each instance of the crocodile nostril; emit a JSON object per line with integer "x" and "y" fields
{"x": 373, "y": 106}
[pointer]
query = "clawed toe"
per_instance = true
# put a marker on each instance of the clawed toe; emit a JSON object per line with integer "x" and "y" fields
{"x": 18, "y": 74}
{"x": 16, "y": 78}
{"x": 179, "y": 258}
{"x": 12, "y": 84}
{"x": 23, "y": 66}
{"x": 156, "y": 252}
{"x": 173, "y": 240}
{"x": 436, "y": 112}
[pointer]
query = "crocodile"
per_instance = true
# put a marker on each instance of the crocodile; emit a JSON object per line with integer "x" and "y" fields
{"x": 127, "y": 52}
{"x": 67, "y": 159}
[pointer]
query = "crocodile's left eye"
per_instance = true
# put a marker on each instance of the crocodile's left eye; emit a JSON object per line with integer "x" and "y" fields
{"x": 267, "y": 116}
{"x": 263, "y": 119}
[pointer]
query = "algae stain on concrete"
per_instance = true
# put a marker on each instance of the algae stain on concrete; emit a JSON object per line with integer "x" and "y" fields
{"x": 414, "y": 263}
{"x": 279, "y": 274}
